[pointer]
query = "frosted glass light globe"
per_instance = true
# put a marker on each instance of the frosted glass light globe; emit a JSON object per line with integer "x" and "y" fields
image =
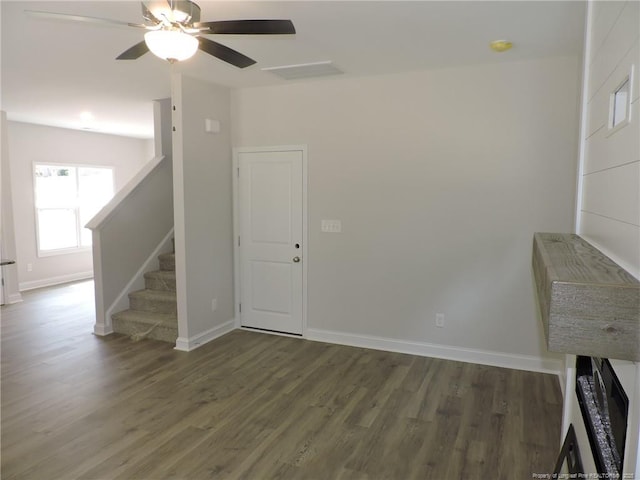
{"x": 172, "y": 45}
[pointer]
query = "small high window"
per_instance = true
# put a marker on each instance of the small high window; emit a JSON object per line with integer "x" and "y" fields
{"x": 620, "y": 104}
{"x": 67, "y": 197}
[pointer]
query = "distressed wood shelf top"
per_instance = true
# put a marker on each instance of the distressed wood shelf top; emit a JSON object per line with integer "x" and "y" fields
{"x": 588, "y": 303}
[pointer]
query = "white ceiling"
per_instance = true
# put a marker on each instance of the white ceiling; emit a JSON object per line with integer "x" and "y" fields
{"x": 54, "y": 70}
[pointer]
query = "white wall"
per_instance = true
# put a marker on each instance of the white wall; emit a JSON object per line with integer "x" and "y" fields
{"x": 609, "y": 206}
{"x": 202, "y": 211}
{"x": 29, "y": 144}
{"x": 440, "y": 179}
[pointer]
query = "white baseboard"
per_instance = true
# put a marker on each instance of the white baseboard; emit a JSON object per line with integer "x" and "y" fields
{"x": 102, "y": 330}
{"x": 483, "y": 357}
{"x": 48, "y": 282}
{"x": 187, "y": 344}
{"x": 14, "y": 298}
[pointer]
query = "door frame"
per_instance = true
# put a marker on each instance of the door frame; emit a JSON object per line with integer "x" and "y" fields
{"x": 237, "y": 249}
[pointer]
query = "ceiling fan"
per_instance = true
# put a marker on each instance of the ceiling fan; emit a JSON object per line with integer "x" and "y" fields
{"x": 174, "y": 31}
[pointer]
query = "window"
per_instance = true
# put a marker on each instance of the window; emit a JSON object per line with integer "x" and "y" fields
{"x": 620, "y": 104}
{"x": 67, "y": 197}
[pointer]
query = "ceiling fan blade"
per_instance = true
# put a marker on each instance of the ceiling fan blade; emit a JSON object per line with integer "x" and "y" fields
{"x": 248, "y": 27}
{"x": 225, "y": 53}
{"x": 80, "y": 18}
{"x": 134, "y": 52}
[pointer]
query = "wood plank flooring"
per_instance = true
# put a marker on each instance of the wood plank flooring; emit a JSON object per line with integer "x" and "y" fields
{"x": 254, "y": 406}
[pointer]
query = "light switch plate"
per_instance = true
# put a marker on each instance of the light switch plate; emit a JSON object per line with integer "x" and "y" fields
{"x": 331, "y": 226}
{"x": 211, "y": 125}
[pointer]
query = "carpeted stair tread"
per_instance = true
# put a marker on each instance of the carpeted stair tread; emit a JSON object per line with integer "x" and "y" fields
{"x": 139, "y": 324}
{"x": 161, "y": 273}
{"x": 160, "y": 280}
{"x": 156, "y": 295}
{"x": 150, "y": 318}
{"x": 153, "y": 312}
{"x": 158, "y": 301}
{"x": 167, "y": 261}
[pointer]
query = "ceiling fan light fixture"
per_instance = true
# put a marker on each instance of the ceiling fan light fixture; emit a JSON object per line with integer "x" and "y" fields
{"x": 171, "y": 45}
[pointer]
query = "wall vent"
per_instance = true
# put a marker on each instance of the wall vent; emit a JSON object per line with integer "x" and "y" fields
{"x": 305, "y": 70}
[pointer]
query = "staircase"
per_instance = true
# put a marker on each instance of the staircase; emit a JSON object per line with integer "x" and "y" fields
{"x": 153, "y": 311}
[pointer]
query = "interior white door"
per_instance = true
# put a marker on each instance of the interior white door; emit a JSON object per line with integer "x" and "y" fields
{"x": 271, "y": 231}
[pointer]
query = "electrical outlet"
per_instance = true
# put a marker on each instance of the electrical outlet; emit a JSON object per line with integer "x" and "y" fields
{"x": 440, "y": 320}
{"x": 29, "y": 267}
{"x": 214, "y": 305}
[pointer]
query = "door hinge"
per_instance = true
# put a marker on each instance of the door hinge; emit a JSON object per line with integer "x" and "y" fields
{"x": 238, "y": 240}
{"x": 240, "y": 307}
{"x": 238, "y": 169}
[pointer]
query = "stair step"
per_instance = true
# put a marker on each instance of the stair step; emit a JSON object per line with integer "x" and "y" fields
{"x": 167, "y": 261}
{"x": 155, "y": 301}
{"x": 164, "y": 327}
{"x": 160, "y": 280}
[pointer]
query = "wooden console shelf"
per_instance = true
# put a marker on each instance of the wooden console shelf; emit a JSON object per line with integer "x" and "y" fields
{"x": 589, "y": 304}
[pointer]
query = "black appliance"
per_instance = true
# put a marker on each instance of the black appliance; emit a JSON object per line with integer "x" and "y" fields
{"x": 605, "y": 410}
{"x": 569, "y": 463}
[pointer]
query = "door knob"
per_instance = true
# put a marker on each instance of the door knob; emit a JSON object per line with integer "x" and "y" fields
{"x": 296, "y": 259}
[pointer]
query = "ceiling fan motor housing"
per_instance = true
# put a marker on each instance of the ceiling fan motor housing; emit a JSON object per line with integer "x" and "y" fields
{"x": 184, "y": 12}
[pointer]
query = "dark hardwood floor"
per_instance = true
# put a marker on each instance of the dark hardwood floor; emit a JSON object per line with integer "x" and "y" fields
{"x": 254, "y": 406}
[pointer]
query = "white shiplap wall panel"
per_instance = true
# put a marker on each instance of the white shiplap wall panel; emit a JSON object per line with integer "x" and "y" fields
{"x": 610, "y": 193}
{"x": 616, "y": 45}
{"x": 598, "y": 114}
{"x": 609, "y": 198}
{"x": 603, "y": 153}
{"x": 605, "y": 15}
{"x": 620, "y": 203}
{"x": 617, "y": 239}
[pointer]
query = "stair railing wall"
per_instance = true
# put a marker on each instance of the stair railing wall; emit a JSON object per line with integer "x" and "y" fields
{"x": 127, "y": 232}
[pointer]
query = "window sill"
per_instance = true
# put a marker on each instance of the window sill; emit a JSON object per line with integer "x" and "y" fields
{"x": 62, "y": 251}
